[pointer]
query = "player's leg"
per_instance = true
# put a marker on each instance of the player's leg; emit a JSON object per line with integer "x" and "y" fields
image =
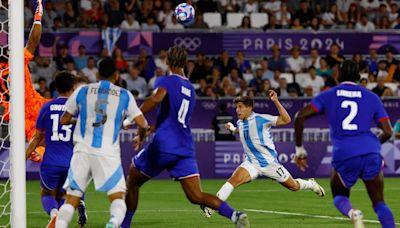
{"x": 49, "y": 202}
{"x": 49, "y": 177}
{"x": 117, "y": 209}
{"x": 134, "y": 181}
{"x": 66, "y": 211}
{"x": 373, "y": 179}
{"x": 192, "y": 188}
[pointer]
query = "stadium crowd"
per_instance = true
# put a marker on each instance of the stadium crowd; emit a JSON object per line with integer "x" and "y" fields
{"x": 296, "y": 75}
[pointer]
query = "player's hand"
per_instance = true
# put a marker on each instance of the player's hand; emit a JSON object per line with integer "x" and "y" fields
{"x": 230, "y": 126}
{"x": 301, "y": 158}
{"x": 150, "y": 130}
{"x": 38, "y": 9}
{"x": 35, "y": 156}
{"x": 137, "y": 143}
{"x": 273, "y": 95}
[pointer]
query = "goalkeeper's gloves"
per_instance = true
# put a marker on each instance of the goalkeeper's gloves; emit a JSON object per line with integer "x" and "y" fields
{"x": 301, "y": 152}
{"x": 38, "y": 9}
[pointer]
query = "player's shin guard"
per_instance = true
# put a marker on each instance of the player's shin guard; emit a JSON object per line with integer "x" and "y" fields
{"x": 117, "y": 211}
{"x": 65, "y": 215}
{"x": 49, "y": 203}
{"x": 343, "y": 204}
{"x": 128, "y": 219}
{"x": 225, "y": 191}
{"x": 226, "y": 211}
{"x": 385, "y": 215}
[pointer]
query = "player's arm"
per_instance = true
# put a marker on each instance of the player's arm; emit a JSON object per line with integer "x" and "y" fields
{"x": 387, "y": 131}
{"x": 284, "y": 117}
{"x": 36, "y": 139}
{"x": 231, "y": 127}
{"x": 142, "y": 132}
{"x": 152, "y": 102}
{"x": 67, "y": 118}
{"x": 36, "y": 31}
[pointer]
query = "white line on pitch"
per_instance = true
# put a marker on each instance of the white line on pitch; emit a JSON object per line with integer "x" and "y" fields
{"x": 139, "y": 211}
{"x": 308, "y": 215}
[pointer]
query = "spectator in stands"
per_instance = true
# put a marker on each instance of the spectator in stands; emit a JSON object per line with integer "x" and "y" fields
{"x": 130, "y": 22}
{"x": 42, "y": 86}
{"x": 150, "y": 25}
{"x": 119, "y": 81}
{"x": 282, "y": 90}
{"x": 296, "y": 24}
{"x": 146, "y": 64}
{"x": 218, "y": 124}
{"x": 382, "y": 69}
{"x": 314, "y": 81}
{"x": 396, "y": 25}
{"x": 362, "y": 66}
{"x": 190, "y": 72}
{"x": 364, "y": 25}
{"x": 90, "y": 70}
{"x": 136, "y": 82}
{"x": 131, "y": 6}
{"x": 382, "y": 12}
{"x": 324, "y": 70}
{"x": 120, "y": 62}
{"x": 354, "y": 14}
{"x": 396, "y": 129}
{"x": 272, "y": 23}
{"x": 264, "y": 88}
{"x": 251, "y": 6}
{"x": 235, "y": 78}
{"x": 332, "y": 18}
{"x": 49, "y": 15}
{"x": 157, "y": 73}
{"x": 314, "y": 59}
{"x": 28, "y": 15}
{"x": 370, "y": 7}
{"x": 243, "y": 89}
{"x": 174, "y": 24}
{"x": 256, "y": 82}
{"x": 396, "y": 74}
{"x": 283, "y": 17}
{"x": 210, "y": 92}
{"x": 225, "y": 63}
{"x": 161, "y": 60}
{"x": 304, "y": 14}
{"x": 295, "y": 63}
{"x": 216, "y": 81}
{"x": 381, "y": 90}
{"x": 199, "y": 22}
{"x": 246, "y": 23}
{"x": 242, "y": 63}
{"x": 315, "y": 25}
{"x": 57, "y": 25}
{"x": 334, "y": 57}
{"x": 81, "y": 59}
{"x": 45, "y": 68}
{"x": 372, "y": 61}
{"x": 200, "y": 66}
{"x": 115, "y": 13}
{"x": 275, "y": 80}
{"x": 266, "y": 72}
{"x": 204, "y": 6}
{"x": 384, "y": 23}
{"x": 364, "y": 82}
{"x": 272, "y": 6}
{"x": 389, "y": 57}
{"x": 93, "y": 16}
{"x": 393, "y": 14}
{"x": 318, "y": 12}
{"x": 63, "y": 56}
{"x": 276, "y": 61}
{"x": 201, "y": 91}
{"x": 344, "y": 7}
{"x": 165, "y": 16}
{"x": 70, "y": 17}
{"x": 70, "y": 68}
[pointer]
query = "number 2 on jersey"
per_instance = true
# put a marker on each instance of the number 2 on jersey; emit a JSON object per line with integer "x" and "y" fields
{"x": 183, "y": 110}
{"x": 56, "y": 136}
{"x": 346, "y": 124}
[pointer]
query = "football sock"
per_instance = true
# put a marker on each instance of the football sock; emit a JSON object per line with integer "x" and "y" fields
{"x": 127, "y": 220}
{"x": 305, "y": 184}
{"x": 65, "y": 215}
{"x": 225, "y": 191}
{"x": 385, "y": 216}
{"x": 117, "y": 211}
{"x": 343, "y": 204}
{"x": 226, "y": 211}
{"x": 49, "y": 203}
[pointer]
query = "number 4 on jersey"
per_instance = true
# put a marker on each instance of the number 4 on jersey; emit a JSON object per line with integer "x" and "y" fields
{"x": 183, "y": 110}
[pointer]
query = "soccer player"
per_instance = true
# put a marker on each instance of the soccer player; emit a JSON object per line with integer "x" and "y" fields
{"x": 33, "y": 100}
{"x": 172, "y": 147}
{"x": 59, "y": 146}
{"x": 261, "y": 155}
{"x": 351, "y": 111}
{"x": 103, "y": 108}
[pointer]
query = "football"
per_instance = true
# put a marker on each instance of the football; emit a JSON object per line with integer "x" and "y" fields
{"x": 184, "y": 13}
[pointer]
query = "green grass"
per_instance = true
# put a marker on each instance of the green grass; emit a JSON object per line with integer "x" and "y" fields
{"x": 163, "y": 204}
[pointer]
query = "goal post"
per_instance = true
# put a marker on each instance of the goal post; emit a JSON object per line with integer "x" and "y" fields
{"x": 17, "y": 113}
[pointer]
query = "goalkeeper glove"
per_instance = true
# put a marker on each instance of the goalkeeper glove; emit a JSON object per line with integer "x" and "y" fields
{"x": 38, "y": 8}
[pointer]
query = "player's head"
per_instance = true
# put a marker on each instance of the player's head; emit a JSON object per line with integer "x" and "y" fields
{"x": 107, "y": 69}
{"x": 244, "y": 106}
{"x": 176, "y": 57}
{"x": 64, "y": 82}
{"x": 349, "y": 71}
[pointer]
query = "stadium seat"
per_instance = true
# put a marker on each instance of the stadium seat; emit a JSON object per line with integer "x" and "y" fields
{"x": 212, "y": 19}
{"x": 287, "y": 76}
{"x": 392, "y": 86}
{"x": 371, "y": 85}
{"x": 258, "y": 20}
{"x": 301, "y": 78}
{"x": 234, "y": 20}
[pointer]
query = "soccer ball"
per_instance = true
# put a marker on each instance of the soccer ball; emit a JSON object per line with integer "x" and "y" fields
{"x": 184, "y": 13}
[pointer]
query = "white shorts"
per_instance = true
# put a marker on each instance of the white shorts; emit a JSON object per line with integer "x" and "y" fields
{"x": 274, "y": 171}
{"x": 106, "y": 172}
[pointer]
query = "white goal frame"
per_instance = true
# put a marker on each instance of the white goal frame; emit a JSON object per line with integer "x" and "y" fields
{"x": 17, "y": 113}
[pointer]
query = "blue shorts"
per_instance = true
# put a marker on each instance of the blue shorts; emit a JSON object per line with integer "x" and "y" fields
{"x": 366, "y": 167}
{"x": 151, "y": 162}
{"x": 52, "y": 177}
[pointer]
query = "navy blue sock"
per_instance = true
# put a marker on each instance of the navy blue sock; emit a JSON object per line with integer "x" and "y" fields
{"x": 385, "y": 216}
{"x": 49, "y": 203}
{"x": 342, "y": 203}
{"x": 225, "y": 210}
{"x": 127, "y": 220}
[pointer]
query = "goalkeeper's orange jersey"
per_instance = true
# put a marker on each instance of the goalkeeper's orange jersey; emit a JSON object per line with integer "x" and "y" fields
{"x": 33, "y": 100}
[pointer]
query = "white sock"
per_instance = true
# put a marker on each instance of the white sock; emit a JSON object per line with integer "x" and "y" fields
{"x": 65, "y": 215}
{"x": 225, "y": 191}
{"x": 305, "y": 184}
{"x": 350, "y": 214}
{"x": 117, "y": 211}
{"x": 53, "y": 212}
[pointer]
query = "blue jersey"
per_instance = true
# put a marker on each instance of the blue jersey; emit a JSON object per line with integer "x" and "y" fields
{"x": 351, "y": 111}
{"x": 58, "y": 138}
{"x": 173, "y": 134}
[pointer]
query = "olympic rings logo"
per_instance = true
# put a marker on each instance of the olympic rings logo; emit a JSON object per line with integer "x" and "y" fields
{"x": 191, "y": 44}
{"x": 209, "y": 105}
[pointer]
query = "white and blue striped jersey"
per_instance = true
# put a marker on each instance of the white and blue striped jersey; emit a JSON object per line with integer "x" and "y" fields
{"x": 102, "y": 108}
{"x": 256, "y": 138}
